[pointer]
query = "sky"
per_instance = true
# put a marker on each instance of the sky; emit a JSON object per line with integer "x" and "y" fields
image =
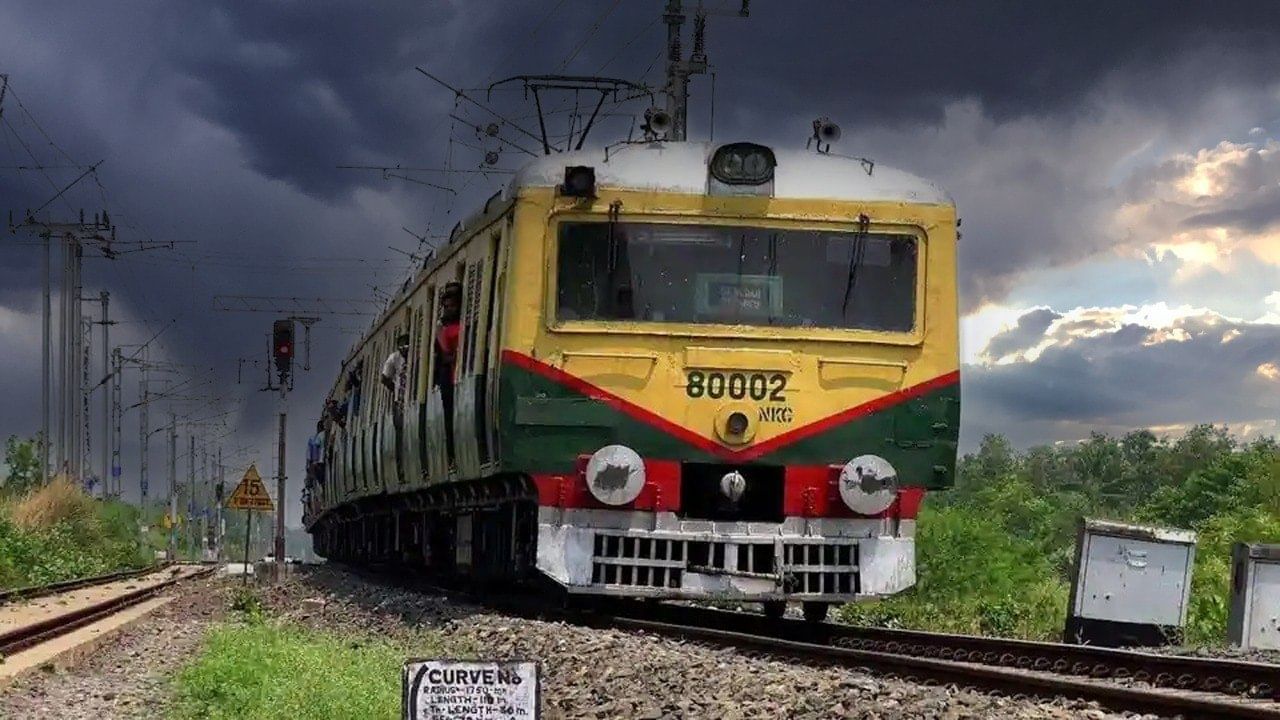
{"x": 1116, "y": 168}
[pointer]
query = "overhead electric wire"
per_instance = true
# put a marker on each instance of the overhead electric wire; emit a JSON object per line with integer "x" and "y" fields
{"x": 590, "y": 32}
{"x": 629, "y": 43}
{"x": 39, "y": 128}
{"x": 533, "y": 34}
{"x": 49, "y": 178}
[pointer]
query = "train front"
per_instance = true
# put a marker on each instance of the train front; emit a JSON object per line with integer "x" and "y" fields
{"x": 732, "y": 373}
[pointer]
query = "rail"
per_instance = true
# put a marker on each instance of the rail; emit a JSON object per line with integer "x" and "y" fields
{"x": 26, "y": 636}
{"x": 34, "y": 591}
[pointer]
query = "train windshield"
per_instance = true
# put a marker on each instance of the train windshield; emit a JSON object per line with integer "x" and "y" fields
{"x": 664, "y": 273}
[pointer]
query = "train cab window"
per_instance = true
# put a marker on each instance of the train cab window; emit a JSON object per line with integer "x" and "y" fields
{"x": 649, "y": 272}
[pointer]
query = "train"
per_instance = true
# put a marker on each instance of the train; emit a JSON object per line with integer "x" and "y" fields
{"x": 668, "y": 370}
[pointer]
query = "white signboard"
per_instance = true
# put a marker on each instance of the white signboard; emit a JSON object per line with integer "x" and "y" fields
{"x": 469, "y": 690}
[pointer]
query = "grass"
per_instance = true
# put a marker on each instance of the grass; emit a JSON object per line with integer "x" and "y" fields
{"x": 976, "y": 576}
{"x": 260, "y": 669}
{"x": 973, "y": 577}
{"x": 56, "y": 532}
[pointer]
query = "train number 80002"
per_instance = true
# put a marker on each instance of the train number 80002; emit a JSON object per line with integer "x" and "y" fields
{"x": 736, "y": 386}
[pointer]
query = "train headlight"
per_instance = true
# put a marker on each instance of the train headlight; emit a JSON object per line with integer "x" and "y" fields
{"x": 743, "y": 164}
{"x": 868, "y": 484}
{"x": 732, "y": 486}
{"x": 579, "y": 181}
{"x": 615, "y": 475}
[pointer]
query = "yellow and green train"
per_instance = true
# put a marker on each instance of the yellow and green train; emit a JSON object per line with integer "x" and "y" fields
{"x": 684, "y": 371}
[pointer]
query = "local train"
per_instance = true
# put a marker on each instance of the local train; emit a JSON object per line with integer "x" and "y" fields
{"x": 682, "y": 370}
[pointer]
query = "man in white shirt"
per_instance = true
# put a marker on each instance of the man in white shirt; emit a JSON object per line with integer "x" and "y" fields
{"x": 393, "y": 378}
{"x": 393, "y": 370}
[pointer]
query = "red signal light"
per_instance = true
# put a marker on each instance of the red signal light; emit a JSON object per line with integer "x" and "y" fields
{"x": 282, "y": 335}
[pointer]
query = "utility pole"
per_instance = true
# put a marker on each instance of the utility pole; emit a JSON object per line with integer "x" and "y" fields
{"x": 117, "y": 415}
{"x": 66, "y": 454}
{"x": 679, "y": 69}
{"x": 173, "y": 486}
{"x": 85, "y": 446}
{"x": 280, "y": 477}
{"x": 143, "y": 403}
{"x": 219, "y": 493}
{"x": 104, "y": 299}
{"x": 191, "y": 479}
{"x": 45, "y": 362}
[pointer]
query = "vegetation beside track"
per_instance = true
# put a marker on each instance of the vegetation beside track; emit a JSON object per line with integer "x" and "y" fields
{"x": 263, "y": 668}
{"x": 994, "y": 554}
{"x": 56, "y": 532}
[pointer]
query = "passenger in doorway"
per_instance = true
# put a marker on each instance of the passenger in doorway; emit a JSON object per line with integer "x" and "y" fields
{"x": 353, "y": 386}
{"x": 449, "y": 333}
{"x": 446, "y": 355}
{"x": 334, "y": 413}
{"x": 393, "y": 370}
{"x": 315, "y": 454}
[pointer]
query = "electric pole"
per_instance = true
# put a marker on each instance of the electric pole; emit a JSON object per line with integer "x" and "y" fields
{"x": 68, "y": 385}
{"x": 678, "y": 68}
{"x": 191, "y": 478}
{"x": 117, "y": 415}
{"x": 144, "y": 402}
{"x": 173, "y": 486}
{"x": 280, "y": 478}
{"x": 218, "y": 494}
{"x": 103, "y": 299}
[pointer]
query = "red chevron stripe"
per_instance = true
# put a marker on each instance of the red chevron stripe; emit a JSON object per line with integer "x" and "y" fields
{"x": 752, "y": 452}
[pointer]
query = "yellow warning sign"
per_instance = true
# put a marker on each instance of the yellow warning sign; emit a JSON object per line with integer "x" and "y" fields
{"x": 250, "y": 494}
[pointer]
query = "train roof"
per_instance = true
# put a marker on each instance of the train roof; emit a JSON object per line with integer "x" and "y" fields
{"x": 681, "y": 167}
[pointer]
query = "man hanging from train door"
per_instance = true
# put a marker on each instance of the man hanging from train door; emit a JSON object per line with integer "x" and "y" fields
{"x": 394, "y": 372}
{"x": 446, "y": 355}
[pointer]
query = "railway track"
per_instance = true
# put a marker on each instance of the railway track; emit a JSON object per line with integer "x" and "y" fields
{"x": 1121, "y": 680}
{"x": 21, "y": 631}
{"x": 34, "y": 591}
{"x": 1118, "y": 679}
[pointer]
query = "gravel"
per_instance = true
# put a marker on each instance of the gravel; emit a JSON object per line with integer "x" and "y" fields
{"x": 1224, "y": 652}
{"x": 127, "y": 676}
{"x": 587, "y": 673}
{"x": 590, "y": 673}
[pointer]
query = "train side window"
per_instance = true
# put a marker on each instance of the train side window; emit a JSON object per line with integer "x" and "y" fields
{"x": 470, "y": 318}
{"x": 415, "y": 347}
{"x": 426, "y": 331}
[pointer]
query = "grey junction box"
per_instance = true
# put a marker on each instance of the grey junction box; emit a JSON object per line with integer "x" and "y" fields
{"x": 1130, "y": 584}
{"x": 1254, "y": 621}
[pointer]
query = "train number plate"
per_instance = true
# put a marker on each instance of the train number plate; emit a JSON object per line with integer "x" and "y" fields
{"x": 758, "y": 386}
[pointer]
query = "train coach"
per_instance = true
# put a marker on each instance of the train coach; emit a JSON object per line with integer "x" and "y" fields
{"x": 682, "y": 370}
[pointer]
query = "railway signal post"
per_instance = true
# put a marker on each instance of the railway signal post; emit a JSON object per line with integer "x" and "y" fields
{"x": 282, "y": 348}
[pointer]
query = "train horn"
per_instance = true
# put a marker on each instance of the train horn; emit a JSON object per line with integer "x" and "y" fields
{"x": 825, "y": 132}
{"x": 658, "y": 121}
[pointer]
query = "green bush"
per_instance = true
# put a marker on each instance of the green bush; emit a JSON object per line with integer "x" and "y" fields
{"x": 248, "y": 603}
{"x": 994, "y": 554}
{"x": 55, "y": 532}
{"x": 278, "y": 672}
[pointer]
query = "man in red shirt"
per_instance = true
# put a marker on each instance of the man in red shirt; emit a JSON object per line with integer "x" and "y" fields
{"x": 447, "y": 336}
{"x": 446, "y": 354}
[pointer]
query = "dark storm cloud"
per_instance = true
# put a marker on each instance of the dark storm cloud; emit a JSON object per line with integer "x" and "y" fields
{"x": 299, "y": 83}
{"x": 1024, "y": 335}
{"x": 1258, "y": 212}
{"x": 221, "y": 125}
{"x": 1107, "y": 375}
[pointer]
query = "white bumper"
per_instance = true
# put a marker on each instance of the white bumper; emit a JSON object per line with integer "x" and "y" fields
{"x": 624, "y": 553}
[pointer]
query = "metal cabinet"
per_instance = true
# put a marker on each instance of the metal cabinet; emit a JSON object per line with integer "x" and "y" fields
{"x": 1254, "y": 620}
{"x": 1130, "y": 584}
